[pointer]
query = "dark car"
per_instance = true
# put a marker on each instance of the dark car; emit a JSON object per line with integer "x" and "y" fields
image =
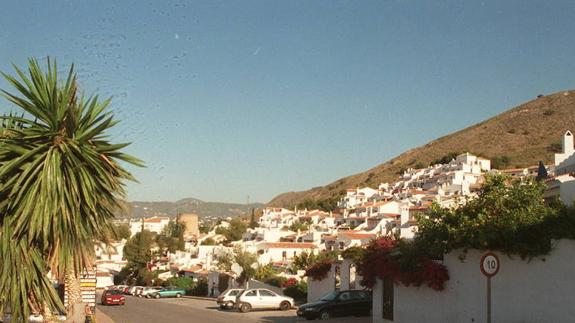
{"x": 113, "y": 297}
{"x": 338, "y": 303}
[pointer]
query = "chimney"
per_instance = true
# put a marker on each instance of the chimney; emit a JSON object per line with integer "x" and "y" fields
{"x": 568, "y": 142}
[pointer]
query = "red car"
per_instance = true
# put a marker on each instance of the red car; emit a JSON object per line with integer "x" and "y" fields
{"x": 113, "y": 297}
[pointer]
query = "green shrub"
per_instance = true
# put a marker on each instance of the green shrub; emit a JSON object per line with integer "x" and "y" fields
{"x": 297, "y": 292}
{"x": 277, "y": 281}
{"x": 182, "y": 282}
{"x": 200, "y": 288}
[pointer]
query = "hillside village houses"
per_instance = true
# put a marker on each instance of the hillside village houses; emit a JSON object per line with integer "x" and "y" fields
{"x": 364, "y": 213}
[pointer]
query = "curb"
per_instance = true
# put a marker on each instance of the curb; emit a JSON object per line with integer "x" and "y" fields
{"x": 201, "y": 298}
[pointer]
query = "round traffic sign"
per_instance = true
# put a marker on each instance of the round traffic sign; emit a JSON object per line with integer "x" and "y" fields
{"x": 489, "y": 264}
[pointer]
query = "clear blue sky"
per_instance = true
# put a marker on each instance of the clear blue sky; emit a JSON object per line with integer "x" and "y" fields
{"x": 225, "y": 99}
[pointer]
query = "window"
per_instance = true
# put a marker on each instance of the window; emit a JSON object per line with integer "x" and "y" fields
{"x": 284, "y": 254}
{"x": 251, "y": 293}
{"x": 344, "y": 296}
{"x": 266, "y": 293}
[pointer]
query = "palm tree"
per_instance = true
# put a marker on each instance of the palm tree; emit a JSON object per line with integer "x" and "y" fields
{"x": 60, "y": 184}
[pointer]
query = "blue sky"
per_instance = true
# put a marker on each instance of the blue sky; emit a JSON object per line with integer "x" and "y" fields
{"x": 229, "y": 99}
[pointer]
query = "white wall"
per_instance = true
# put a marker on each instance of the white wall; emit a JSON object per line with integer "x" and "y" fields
{"x": 567, "y": 192}
{"x": 536, "y": 291}
{"x": 318, "y": 288}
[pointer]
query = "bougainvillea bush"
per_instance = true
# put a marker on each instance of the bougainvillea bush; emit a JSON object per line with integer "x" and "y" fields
{"x": 396, "y": 260}
{"x": 319, "y": 270}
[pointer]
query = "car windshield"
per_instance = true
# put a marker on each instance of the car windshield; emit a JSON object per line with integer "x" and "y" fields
{"x": 234, "y": 292}
{"x": 329, "y": 297}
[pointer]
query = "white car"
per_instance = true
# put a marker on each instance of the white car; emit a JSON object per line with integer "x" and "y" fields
{"x": 227, "y": 299}
{"x": 132, "y": 290}
{"x": 149, "y": 290}
{"x": 262, "y": 299}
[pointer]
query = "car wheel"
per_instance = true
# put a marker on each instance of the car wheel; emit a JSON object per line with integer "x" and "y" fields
{"x": 157, "y": 296}
{"x": 284, "y": 306}
{"x": 222, "y": 306}
{"x": 178, "y": 295}
{"x": 229, "y": 304}
{"x": 324, "y": 315}
{"x": 245, "y": 307}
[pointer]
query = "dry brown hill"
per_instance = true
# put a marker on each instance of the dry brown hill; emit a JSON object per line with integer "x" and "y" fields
{"x": 519, "y": 137}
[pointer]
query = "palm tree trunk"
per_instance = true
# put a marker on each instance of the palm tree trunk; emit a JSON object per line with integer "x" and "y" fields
{"x": 75, "y": 306}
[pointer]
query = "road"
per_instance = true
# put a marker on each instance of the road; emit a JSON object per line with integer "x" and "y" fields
{"x": 176, "y": 310}
{"x": 187, "y": 310}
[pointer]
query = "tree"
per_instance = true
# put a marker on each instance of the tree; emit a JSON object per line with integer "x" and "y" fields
{"x": 246, "y": 260}
{"x": 204, "y": 228}
{"x": 253, "y": 222}
{"x": 208, "y": 242}
{"x": 235, "y": 230}
{"x": 265, "y": 272}
{"x": 122, "y": 231}
{"x": 171, "y": 238}
{"x": 137, "y": 249}
{"x": 60, "y": 183}
{"x": 509, "y": 216}
{"x": 299, "y": 226}
{"x": 305, "y": 259}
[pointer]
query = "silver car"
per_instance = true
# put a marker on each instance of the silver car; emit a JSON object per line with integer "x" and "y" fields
{"x": 227, "y": 299}
{"x": 260, "y": 298}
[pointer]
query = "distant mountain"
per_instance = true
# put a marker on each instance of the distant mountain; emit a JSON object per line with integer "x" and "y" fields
{"x": 519, "y": 137}
{"x": 189, "y": 205}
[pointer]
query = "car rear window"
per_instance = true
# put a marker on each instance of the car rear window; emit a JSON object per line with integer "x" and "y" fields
{"x": 264, "y": 292}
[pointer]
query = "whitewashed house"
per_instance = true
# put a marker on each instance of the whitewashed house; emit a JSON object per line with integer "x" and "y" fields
{"x": 282, "y": 252}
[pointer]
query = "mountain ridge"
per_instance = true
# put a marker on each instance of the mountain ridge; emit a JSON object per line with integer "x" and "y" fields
{"x": 136, "y": 209}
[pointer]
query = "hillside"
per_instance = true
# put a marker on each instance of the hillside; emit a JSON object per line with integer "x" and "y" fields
{"x": 518, "y": 137}
{"x": 189, "y": 205}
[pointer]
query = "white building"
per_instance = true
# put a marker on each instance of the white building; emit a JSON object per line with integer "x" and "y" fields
{"x": 154, "y": 224}
{"x": 273, "y": 217}
{"x": 356, "y": 197}
{"x": 282, "y": 252}
{"x": 565, "y": 161}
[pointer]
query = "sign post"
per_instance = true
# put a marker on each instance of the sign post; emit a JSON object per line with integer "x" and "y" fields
{"x": 489, "y": 266}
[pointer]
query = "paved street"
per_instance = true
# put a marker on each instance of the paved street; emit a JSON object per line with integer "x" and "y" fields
{"x": 186, "y": 310}
{"x": 141, "y": 310}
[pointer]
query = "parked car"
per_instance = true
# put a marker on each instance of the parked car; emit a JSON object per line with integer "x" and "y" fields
{"x": 132, "y": 290}
{"x": 113, "y": 297}
{"x": 262, "y": 299}
{"x": 170, "y": 291}
{"x": 148, "y": 290}
{"x": 227, "y": 299}
{"x": 338, "y": 303}
{"x": 138, "y": 290}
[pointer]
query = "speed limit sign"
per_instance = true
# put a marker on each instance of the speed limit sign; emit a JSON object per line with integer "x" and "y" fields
{"x": 489, "y": 264}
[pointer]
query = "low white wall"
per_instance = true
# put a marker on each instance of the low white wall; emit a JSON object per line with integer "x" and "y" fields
{"x": 317, "y": 288}
{"x": 537, "y": 291}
